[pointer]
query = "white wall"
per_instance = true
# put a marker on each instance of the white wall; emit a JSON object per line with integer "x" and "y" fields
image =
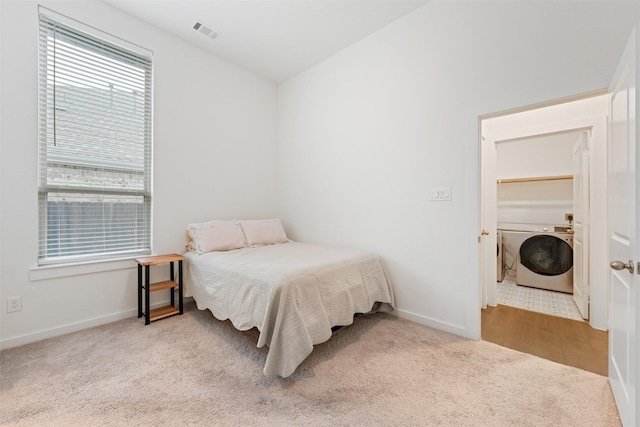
{"x": 366, "y": 134}
{"x": 214, "y": 157}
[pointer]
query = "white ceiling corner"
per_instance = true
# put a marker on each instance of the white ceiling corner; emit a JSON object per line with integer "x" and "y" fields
{"x": 276, "y": 39}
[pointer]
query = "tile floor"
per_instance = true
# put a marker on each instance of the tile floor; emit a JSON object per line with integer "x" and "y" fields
{"x": 540, "y": 300}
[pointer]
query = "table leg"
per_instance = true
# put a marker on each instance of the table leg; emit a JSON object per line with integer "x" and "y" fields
{"x": 172, "y": 290}
{"x": 139, "y": 291}
{"x": 180, "y": 286}
{"x": 146, "y": 296}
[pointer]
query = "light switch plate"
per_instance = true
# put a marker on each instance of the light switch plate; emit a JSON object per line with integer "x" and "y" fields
{"x": 441, "y": 194}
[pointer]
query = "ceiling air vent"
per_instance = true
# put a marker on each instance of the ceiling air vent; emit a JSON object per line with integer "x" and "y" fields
{"x": 206, "y": 30}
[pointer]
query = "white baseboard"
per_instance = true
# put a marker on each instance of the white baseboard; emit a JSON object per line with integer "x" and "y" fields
{"x": 97, "y": 321}
{"x": 427, "y": 321}
{"x": 72, "y": 327}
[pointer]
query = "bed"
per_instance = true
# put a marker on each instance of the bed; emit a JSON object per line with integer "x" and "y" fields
{"x": 293, "y": 293}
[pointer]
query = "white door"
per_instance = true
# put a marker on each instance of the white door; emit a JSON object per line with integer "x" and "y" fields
{"x": 581, "y": 208}
{"x": 488, "y": 235}
{"x": 623, "y": 238}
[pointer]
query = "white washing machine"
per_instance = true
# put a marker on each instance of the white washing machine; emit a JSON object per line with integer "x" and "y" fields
{"x": 544, "y": 257}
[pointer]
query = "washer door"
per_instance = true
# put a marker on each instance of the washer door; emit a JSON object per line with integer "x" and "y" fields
{"x": 546, "y": 255}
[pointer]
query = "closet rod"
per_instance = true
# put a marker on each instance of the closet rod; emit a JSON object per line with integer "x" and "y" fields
{"x": 546, "y": 178}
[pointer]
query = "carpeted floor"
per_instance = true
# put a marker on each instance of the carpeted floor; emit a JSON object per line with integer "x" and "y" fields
{"x": 382, "y": 370}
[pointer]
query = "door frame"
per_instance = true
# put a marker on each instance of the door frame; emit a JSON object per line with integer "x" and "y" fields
{"x": 541, "y": 120}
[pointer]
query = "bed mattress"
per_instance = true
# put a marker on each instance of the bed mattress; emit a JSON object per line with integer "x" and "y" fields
{"x": 293, "y": 293}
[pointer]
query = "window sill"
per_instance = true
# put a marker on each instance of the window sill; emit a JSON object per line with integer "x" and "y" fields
{"x": 66, "y": 270}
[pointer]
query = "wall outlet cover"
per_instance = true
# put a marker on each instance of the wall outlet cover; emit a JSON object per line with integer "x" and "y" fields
{"x": 14, "y": 304}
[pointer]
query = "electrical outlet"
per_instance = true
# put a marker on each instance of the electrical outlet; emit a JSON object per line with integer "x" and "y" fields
{"x": 14, "y": 304}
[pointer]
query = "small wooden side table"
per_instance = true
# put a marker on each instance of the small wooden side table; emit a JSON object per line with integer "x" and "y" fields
{"x": 166, "y": 311}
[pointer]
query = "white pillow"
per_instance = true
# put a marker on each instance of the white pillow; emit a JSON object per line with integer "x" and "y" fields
{"x": 216, "y": 236}
{"x": 260, "y": 232}
{"x": 191, "y": 233}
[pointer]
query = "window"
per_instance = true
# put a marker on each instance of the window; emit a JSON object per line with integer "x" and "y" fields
{"x": 94, "y": 183}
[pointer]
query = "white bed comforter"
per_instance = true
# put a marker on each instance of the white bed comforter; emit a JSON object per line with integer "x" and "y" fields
{"x": 294, "y": 293}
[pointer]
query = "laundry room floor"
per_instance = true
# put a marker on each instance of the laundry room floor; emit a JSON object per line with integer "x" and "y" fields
{"x": 540, "y": 300}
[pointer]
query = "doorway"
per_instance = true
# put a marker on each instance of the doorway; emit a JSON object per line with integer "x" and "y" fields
{"x": 538, "y": 191}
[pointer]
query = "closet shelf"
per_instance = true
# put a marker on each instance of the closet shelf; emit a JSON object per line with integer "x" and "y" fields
{"x": 544, "y": 178}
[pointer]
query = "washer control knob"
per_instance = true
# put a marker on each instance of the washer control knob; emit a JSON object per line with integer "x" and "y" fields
{"x": 545, "y": 228}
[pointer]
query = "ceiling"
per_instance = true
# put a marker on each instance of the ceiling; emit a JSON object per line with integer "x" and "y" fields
{"x": 276, "y": 39}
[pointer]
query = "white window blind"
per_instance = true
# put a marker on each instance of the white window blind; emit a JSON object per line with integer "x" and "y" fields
{"x": 94, "y": 192}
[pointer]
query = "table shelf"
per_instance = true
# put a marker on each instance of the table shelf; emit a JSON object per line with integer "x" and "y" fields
{"x": 162, "y": 312}
{"x": 144, "y": 263}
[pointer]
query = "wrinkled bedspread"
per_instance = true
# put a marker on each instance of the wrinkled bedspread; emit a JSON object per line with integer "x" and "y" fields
{"x": 294, "y": 293}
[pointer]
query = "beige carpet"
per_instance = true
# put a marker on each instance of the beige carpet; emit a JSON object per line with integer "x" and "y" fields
{"x": 195, "y": 370}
